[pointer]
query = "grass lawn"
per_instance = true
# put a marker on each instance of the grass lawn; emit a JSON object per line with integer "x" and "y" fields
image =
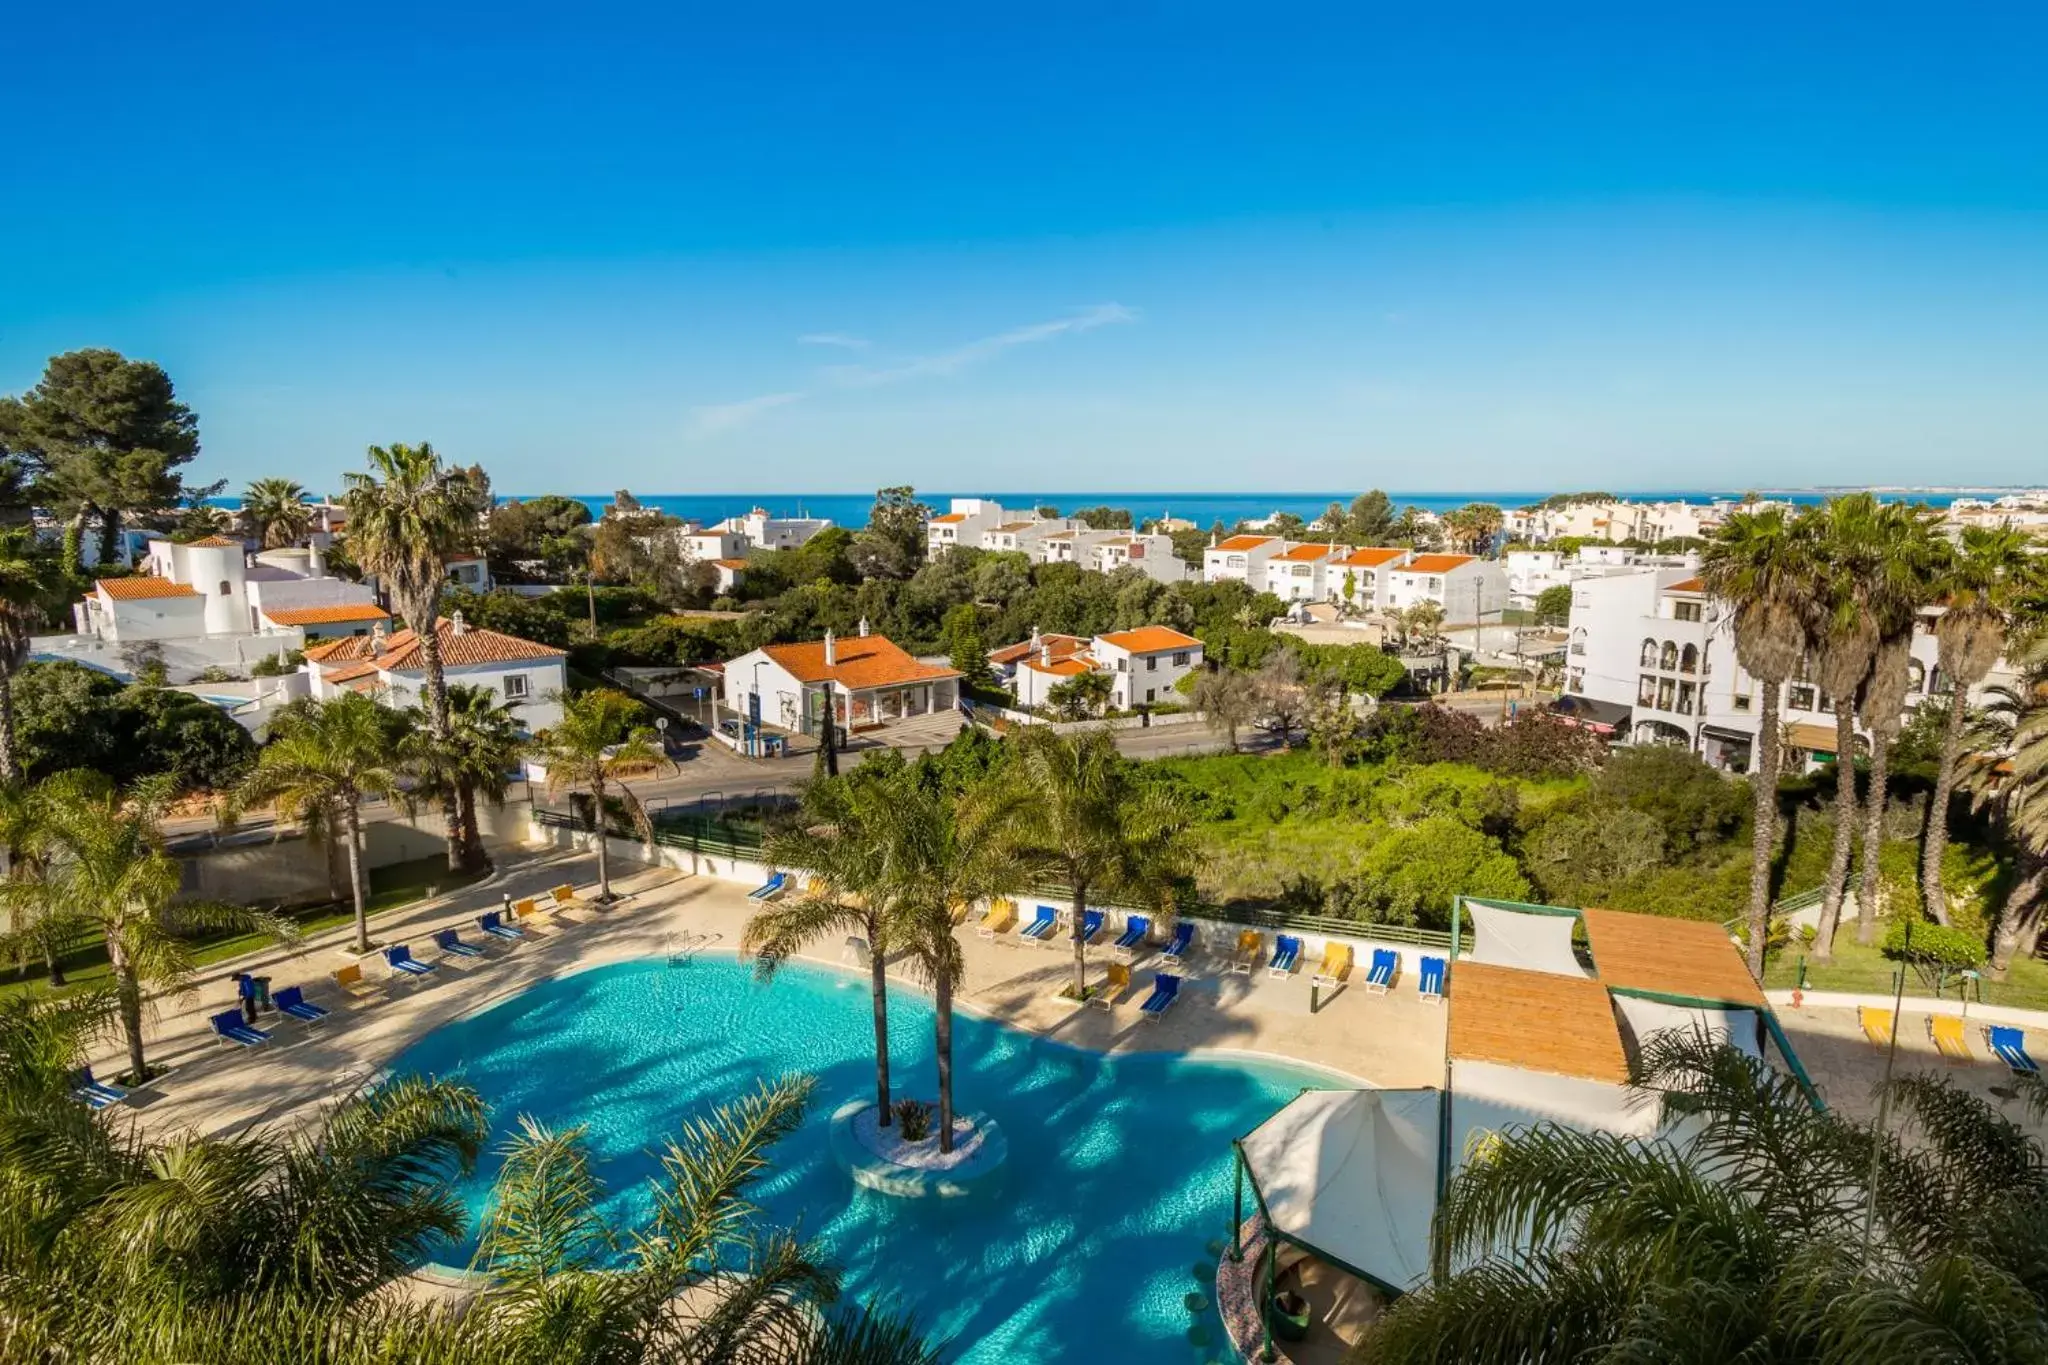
{"x": 1866, "y": 971}
{"x": 392, "y": 887}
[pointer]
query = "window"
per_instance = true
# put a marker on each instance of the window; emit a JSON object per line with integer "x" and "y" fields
{"x": 1646, "y": 691}
{"x": 1685, "y": 694}
{"x": 1151, "y": 663}
{"x": 1648, "y": 658}
{"x": 1578, "y": 681}
{"x": 1150, "y": 693}
{"x": 1689, "y": 659}
{"x": 1800, "y": 698}
{"x": 1916, "y": 675}
{"x": 1180, "y": 660}
{"x": 1827, "y": 703}
{"x": 1666, "y": 689}
{"x": 515, "y": 686}
{"x": 1302, "y": 570}
{"x": 1741, "y": 701}
{"x": 1234, "y": 562}
{"x": 1668, "y": 656}
{"x": 1436, "y": 585}
{"x": 227, "y": 589}
{"x": 1123, "y": 665}
{"x": 1685, "y": 611}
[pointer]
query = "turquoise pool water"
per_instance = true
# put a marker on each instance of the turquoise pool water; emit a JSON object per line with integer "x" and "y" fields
{"x": 1120, "y": 1168}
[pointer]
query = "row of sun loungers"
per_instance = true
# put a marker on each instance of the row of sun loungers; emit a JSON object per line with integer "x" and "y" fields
{"x": 1949, "y": 1034}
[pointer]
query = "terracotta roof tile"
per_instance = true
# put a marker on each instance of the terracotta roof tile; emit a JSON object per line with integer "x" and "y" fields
{"x": 1244, "y": 542}
{"x": 344, "y": 673}
{"x": 401, "y": 650}
{"x": 1436, "y": 563}
{"x": 1062, "y": 646}
{"x": 735, "y": 564}
{"x": 1687, "y": 585}
{"x": 217, "y": 543}
{"x": 1372, "y": 557}
{"x": 140, "y": 588}
{"x": 1069, "y": 667}
{"x": 1151, "y": 640}
{"x": 864, "y": 661}
{"x": 326, "y": 616}
{"x": 949, "y": 517}
{"x": 1308, "y": 553}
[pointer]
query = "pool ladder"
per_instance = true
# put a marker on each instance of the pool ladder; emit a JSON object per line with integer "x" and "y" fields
{"x": 682, "y": 949}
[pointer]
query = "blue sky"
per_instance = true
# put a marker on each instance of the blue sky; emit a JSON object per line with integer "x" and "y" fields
{"x": 1175, "y": 246}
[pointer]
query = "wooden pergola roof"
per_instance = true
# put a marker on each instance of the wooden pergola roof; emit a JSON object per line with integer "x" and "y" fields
{"x": 1673, "y": 957}
{"x": 1538, "y": 1021}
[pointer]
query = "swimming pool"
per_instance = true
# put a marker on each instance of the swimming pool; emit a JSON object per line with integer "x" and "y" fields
{"x": 1120, "y": 1166}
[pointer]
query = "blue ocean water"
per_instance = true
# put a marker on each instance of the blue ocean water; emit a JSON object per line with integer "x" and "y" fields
{"x": 1120, "y": 1166}
{"x": 1204, "y": 509}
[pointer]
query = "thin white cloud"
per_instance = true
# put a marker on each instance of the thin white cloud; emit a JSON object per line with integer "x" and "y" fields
{"x": 951, "y": 362}
{"x": 717, "y": 418}
{"x": 842, "y": 340}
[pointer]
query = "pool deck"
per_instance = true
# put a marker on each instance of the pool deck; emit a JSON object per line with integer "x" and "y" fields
{"x": 1389, "y": 1040}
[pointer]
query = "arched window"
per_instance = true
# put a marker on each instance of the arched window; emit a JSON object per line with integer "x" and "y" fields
{"x": 1649, "y": 659}
{"x": 1689, "y": 659}
{"x": 1669, "y": 658}
{"x": 1916, "y": 675}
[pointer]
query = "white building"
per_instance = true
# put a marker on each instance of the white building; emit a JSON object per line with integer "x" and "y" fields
{"x": 868, "y": 679}
{"x": 1360, "y": 577}
{"x": 1152, "y": 555}
{"x": 1022, "y": 536}
{"x": 471, "y": 572}
{"x": 761, "y": 531}
{"x": 1073, "y": 547}
{"x": 963, "y": 522}
{"x": 1044, "y": 648}
{"x": 213, "y": 589}
{"x": 1240, "y": 559}
{"x": 1469, "y": 589}
{"x": 526, "y": 676}
{"x": 1659, "y": 656}
{"x": 1301, "y": 573}
{"x": 1144, "y": 665}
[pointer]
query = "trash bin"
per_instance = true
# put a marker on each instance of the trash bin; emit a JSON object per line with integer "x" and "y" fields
{"x": 254, "y": 993}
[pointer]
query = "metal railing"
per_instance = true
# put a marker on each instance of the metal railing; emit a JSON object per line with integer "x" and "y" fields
{"x": 695, "y": 833}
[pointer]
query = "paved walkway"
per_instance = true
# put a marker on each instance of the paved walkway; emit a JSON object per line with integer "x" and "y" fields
{"x": 1392, "y": 1040}
{"x": 1846, "y": 1067}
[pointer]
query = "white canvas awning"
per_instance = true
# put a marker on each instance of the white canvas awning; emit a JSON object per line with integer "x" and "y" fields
{"x": 1642, "y": 1017}
{"x": 1350, "y": 1175}
{"x": 1533, "y": 940}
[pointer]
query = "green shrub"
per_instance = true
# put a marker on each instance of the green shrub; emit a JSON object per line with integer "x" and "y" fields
{"x": 1936, "y": 945}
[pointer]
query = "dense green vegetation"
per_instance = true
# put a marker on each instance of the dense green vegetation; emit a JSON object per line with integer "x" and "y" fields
{"x": 71, "y": 716}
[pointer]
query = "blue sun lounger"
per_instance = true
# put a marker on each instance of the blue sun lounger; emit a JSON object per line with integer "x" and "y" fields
{"x": 229, "y": 1027}
{"x": 448, "y": 941}
{"x": 1183, "y": 936}
{"x": 1042, "y": 925}
{"x": 1165, "y": 988}
{"x": 493, "y": 923}
{"x": 2011, "y": 1046}
{"x": 1286, "y": 952}
{"x": 400, "y": 958}
{"x": 1136, "y": 927}
{"x": 1384, "y": 962}
{"x": 292, "y": 1001}
{"x": 1091, "y": 925}
{"x": 769, "y": 889}
{"x": 1431, "y": 983}
{"x": 92, "y": 1092}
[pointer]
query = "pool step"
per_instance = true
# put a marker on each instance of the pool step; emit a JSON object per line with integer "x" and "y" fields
{"x": 682, "y": 949}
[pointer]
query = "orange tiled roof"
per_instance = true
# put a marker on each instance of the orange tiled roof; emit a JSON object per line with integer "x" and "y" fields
{"x": 401, "y": 650}
{"x": 327, "y": 616}
{"x": 1371, "y": 557}
{"x": 216, "y": 543}
{"x": 1243, "y": 543}
{"x": 951, "y": 516}
{"x": 1062, "y": 646}
{"x": 1151, "y": 640}
{"x": 345, "y": 673}
{"x": 1436, "y": 563}
{"x": 1016, "y": 526}
{"x": 864, "y": 661}
{"x": 1309, "y": 552}
{"x": 1068, "y": 667}
{"x": 137, "y": 589}
{"x": 730, "y": 563}
{"x": 1687, "y": 585}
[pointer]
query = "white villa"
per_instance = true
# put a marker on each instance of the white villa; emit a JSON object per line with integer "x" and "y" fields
{"x": 1300, "y": 573}
{"x": 1468, "y": 589}
{"x": 1240, "y": 559}
{"x": 868, "y": 680}
{"x": 1144, "y": 664}
{"x": 525, "y": 676}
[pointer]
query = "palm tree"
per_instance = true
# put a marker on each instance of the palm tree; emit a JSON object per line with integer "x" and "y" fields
{"x": 99, "y": 861}
{"x": 38, "y": 926}
{"x": 405, "y": 518}
{"x": 845, "y": 841}
{"x": 1981, "y": 582}
{"x": 1752, "y": 1231}
{"x": 1758, "y": 565}
{"x": 601, "y": 736}
{"x": 1228, "y": 699}
{"x": 482, "y": 747}
{"x": 320, "y": 763}
{"x": 1082, "y": 816}
{"x": 275, "y": 512}
{"x": 32, "y": 581}
{"x": 2006, "y": 768}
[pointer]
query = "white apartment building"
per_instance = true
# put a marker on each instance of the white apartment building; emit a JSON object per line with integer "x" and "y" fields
{"x": 1657, "y": 657}
{"x": 1020, "y": 537}
{"x": 1301, "y": 573}
{"x": 525, "y": 676}
{"x": 1361, "y": 576}
{"x": 1152, "y": 555}
{"x": 760, "y": 531}
{"x": 1145, "y": 665}
{"x": 1240, "y": 559}
{"x": 1467, "y": 588}
{"x": 1073, "y": 547}
{"x": 963, "y": 522}
{"x": 214, "y": 589}
{"x": 1531, "y": 573}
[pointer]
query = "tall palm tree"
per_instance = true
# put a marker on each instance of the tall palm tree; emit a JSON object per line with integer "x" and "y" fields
{"x": 275, "y": 511}
{"x": 99, "y": 861}
{"x": 38, "y": 926}
{"x": 1753, "y": 1231}
{"x": 844, "y": 840}
{"x": 406, "y": 517}
{"x": 32, "y": 582}
{"x": 320, "y": 763}
{"x": 601, "y": 736}
{"x": 482, "y": 748}
{"x": 2006, "y": 768}
{"x": 1083, "y": 817}
{"x": 1759, "y": 566}
{"x": 1990, "y": 572}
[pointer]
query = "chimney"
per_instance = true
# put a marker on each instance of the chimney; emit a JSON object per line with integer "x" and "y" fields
{"x": 1034, "y": 637}
{"x": 377, "y": 640}
{"x": 1045, "y": 654}
{"x": 456, "y": 625}
{"x": 831, "y": 651}
{"x": 863, "y": 627}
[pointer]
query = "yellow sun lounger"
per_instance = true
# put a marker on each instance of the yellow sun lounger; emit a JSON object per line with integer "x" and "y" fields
{"x": 1000, "y": 919}
{"x": 1877, "y": 1024}
{"x": 565, "y": 894}
{"x": 1336, "y": 964}
{"x": 1251, "y": 950}
{"x": 350, "y": 979}
{"x": 1947, "y": 1032}
{"x": 1115, "y": 982}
